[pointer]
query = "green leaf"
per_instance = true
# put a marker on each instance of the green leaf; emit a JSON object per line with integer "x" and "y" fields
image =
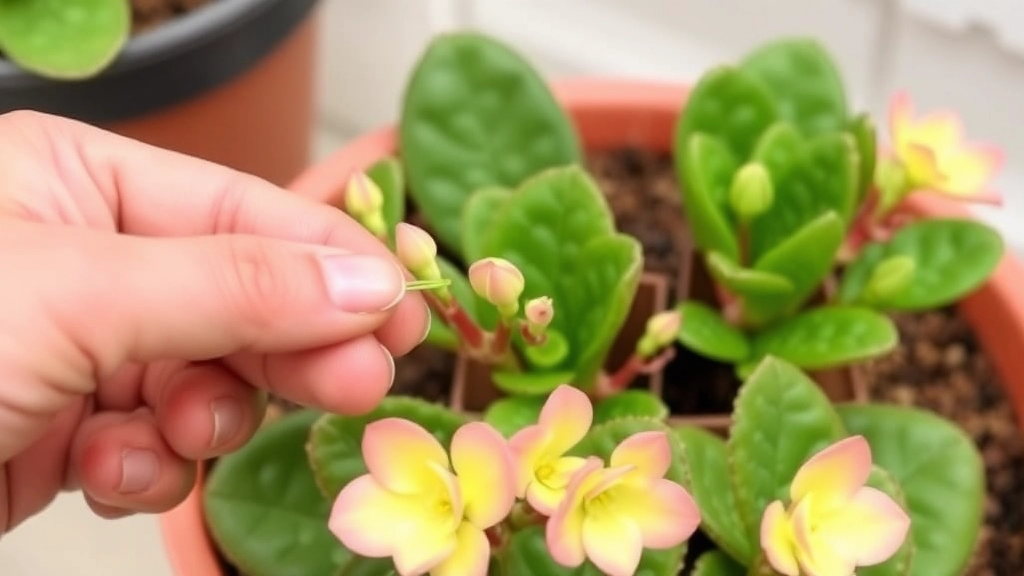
{"x": 823, "y": 180}
{"x": 863, "y": 131}
{"x": 781, "y": 419}
{"x": 558, "y": 230}
{"x": 66, "y": 40}
{"x": 388, "y": 176}
{"x": 335, "y": 442}
{"x": 263, "y": 507}
{"x": 803, "y": 81}
{"x": 717, "y": 563}
{"x": 705, "y": 331}
{"x": 513, "y": 413}
{"x": 729, "y": 104}
{"x": 480, "y": 213}
{"x": 709, "y": 485}
{"x": 630, "y": 403}
{"x": 476, "y": 114}
{"x": 952, "y": 257}
{"x": 899, "y": 564}
{"x": 828, "y": 336}
{"x": 804, "y": 259}
{"x": 705, "y": 168}
{"x": 531, "y": 383}
{"x": 779, "y": 148}
{"x": 941, "y": 473}
{"x": 746, "y": 281}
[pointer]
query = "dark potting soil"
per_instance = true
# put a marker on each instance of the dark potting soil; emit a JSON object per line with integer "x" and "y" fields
{"x": 939, "y": 366}
{"x": 147, "y": 14}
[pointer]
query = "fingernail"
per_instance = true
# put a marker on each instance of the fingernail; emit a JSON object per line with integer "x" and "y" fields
{"x": 227, "y": 417}
{"x": 362, "y": 284}
{"x": 139, "y": 470}
{"x": 391, "y": 365}
{"x": 430, "y": 320}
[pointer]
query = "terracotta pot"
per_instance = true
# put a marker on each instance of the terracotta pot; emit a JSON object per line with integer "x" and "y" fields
{"x": 610, "y": 115}
{"x": 231, "y": 82}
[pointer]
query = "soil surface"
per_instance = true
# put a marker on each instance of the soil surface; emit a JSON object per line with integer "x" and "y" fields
{"x": 939, "y": 366}
{"x": 149, "y": 13}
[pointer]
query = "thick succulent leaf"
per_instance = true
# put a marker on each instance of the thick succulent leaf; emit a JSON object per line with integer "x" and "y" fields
{"x": 864, "y": 133}
{"x": 823, "y": 180}
{"x": 513, "y": 413}
{"x": 264, "y": 510}
{"x": 828, "y": 336}
{"x": 558, "y": 229}
{"x": 730, "y": 105}
{"x": 335, "y": 442}
{"x": 532, "y": 383}
{"x": 952, "y": 258}
{"x": 387, "y": 174}
{"x": 480, "y": 213}
{"x": 781, "y": 419}
{"x": 709, "y": 485}
{"x": 803, "y": 81}
{"x": 717, "y": 563}
{"x": 779, "y": 148}
{"x": 476, "y": 114}
{"x": 630, "y": 404}
{"x": 942, "y": 476}
{"x": 66, "y": 40}
{"x": 705, "y": 332}
{"x": 746, "y": 282}
{"x": 705, "y": 167}
{"x": 804, "y": 259}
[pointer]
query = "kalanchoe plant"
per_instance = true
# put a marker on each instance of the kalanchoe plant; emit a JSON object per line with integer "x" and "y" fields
{"x": 803, "y": 487}
{"x": 66, "y": 40}
{"x": 781, "y": 190}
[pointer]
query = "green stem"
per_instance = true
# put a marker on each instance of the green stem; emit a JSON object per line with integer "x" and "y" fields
{"x": 420, "y": 285}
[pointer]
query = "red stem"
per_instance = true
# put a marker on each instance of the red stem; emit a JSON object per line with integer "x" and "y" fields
{"x": 502, "y": 337}
{"x": 625, "y": 375}
{"x": 453, "y": 314}
{"x": 529, "y": 337}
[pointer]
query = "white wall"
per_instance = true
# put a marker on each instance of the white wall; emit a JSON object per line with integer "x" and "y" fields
{"x": 964, "y": 54}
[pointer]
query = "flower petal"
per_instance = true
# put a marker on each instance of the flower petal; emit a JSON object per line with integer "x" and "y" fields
{"x": 483, "y": 466}
{"x": 471, "y": 557}
{"x": 649, "y": 452}
{"x": 663, "y": 511}
{"x": 834, "y": 474}
{"x": 940, "y": 129}
{"x": 922, "y": 166}
{"x": 817, "y": 555}
{"x": 777, "y": 540}
{"x": 399, "y": 454}
{"x": 870, "y": 529}
{"x": 564, "y": 529}
{"x": 969, "y": 170}
{"x": 421, "y": 555}
{"x": 901, "y": 112}
{"x": 545, "y": 494}
{"x": 612, "y": 543}
{"x": 528, "y": 447}
{"x": 568, "y": 414}
{"x": 364, "y": 516}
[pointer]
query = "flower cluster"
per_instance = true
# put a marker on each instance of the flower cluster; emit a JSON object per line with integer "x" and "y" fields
{"x": 443, "y": 515}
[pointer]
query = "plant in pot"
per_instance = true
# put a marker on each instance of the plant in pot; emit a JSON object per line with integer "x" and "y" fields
{"x": 479, "y": 128}
{"x": 229, "y": 81}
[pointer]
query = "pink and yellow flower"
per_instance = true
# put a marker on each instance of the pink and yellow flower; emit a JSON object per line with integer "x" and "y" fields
{"x": 834, "y": 523}
{"x": 542, "y": 469}
{"x": 935, "y": 156}
{"x": 416, "y": 507}
{"x": 611, "y": 514}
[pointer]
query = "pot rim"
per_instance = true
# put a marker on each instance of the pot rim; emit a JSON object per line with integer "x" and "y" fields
{"x": 596, "y": 105}
{"x": 165, "y": 65}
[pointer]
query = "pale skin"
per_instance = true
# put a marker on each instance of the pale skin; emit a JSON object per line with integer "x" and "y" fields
{"x": 149, "y": 301}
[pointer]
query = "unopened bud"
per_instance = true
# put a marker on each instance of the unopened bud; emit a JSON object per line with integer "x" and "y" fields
{"x": 662, "y": 330}
{"x": 539, "y": 313}
{"x": 751, "y": 193}
{"x": 364, "y": 201}
{"x": 417, "y": 251}
{"x": 890, "y": 277}
{"x": 499, "y": 282}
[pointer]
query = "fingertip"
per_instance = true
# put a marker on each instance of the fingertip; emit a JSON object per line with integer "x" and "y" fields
{"x": 407, "y": 327}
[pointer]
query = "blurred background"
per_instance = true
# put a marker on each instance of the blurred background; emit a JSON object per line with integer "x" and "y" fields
{"x": 962, "y": 54}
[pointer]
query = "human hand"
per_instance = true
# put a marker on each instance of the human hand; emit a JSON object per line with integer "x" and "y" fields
{"x": 142, "y": 292}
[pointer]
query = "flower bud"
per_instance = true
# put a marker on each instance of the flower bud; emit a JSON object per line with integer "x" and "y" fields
{"x": 662, "y": 330}
{"x": 499, "y": 282}
{"x": 364, "y": 201}
{"x": 417, "y": 251}
{"x": 751, "y": 193}
{"x": 890, "y": 277}
{"x": 539, "y": 313}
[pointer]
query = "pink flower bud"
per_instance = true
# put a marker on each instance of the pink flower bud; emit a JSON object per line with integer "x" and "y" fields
{"x": 539, "y": 312}
{"x": 362, "y": 196}
{"x": 416, "y": 250}
{"x": 664, "y": 327}
{"x": 499, "y": 282}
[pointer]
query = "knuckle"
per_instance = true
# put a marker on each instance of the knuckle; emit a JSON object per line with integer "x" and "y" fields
{"x": 257, "y": 283}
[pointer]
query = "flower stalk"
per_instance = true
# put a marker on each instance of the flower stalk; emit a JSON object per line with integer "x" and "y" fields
{"x": 653, "y": 351}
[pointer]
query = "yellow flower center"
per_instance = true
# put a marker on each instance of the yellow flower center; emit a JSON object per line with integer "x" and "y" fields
{"x": 546, "y": 473}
